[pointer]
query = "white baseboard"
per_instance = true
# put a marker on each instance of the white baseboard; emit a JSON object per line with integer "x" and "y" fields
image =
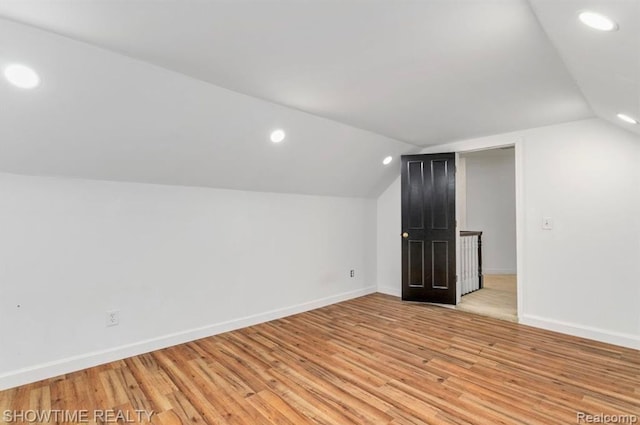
{"x": 602, "y": 335}
{"x": 390, "y": 290}
{"x": 498, "y": 271}
{"x": 83, "y": 361}
{"x": 616, "y": 338}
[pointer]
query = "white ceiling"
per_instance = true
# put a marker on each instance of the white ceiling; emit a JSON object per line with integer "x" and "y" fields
{"x": 606, "y": 65}
{"x": 423, "y": 72}
{"x": 100, "y": 115}
{"x": 137, "y": 90}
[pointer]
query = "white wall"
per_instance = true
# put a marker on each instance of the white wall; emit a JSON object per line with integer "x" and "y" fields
{"x": 388, "y": 245}
{"x": 177, "y": 262}
{"x": 581, "y": 277}
{"x": 461, "y": 192}
{"x": 491, "y": 206}
{"x": 583, "y": 274}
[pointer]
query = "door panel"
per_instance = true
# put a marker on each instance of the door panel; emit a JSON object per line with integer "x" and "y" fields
{"x": 440, "y": 264}
{"x": 428, "y": 226}
{"x": 416, "y": 264}
{"x": 415, "y": 177}
{"x": 439, "y": 202}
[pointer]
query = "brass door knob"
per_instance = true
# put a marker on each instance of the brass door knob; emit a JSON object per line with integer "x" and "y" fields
{"x": 405, "y": 235}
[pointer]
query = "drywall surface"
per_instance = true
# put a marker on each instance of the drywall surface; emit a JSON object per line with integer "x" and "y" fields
{"x": 389, "y": 241}
{"x": 101, "y": 115}
{"x": 491, "y": 206}
{"x": 178, "y": 263}
{"x": 581, "y": 277}
{"x": 584, "y": 272}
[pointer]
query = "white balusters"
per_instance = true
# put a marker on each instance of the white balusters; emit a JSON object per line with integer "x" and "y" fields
{"x": 470, "y": 267}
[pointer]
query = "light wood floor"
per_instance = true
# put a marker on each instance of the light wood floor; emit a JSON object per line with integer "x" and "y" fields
{"x": 496, "y": 299}
{"x": 373, "y": 360}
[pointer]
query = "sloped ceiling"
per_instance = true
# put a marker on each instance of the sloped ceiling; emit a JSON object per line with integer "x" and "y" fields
{"x": 186, "y": 92}
{"x": 100, "y": 115}
{"x": 606, "y": 65}
{"x": 422, "y": 72}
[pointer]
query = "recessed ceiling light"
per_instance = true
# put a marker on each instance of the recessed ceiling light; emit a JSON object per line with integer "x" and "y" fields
{"x": 627, "y": 118}
{"x": 277, "y": 136}
{"x": 597, "y": 21}
{"x": 387, "y": 160}
{"x": 21, "y": 76}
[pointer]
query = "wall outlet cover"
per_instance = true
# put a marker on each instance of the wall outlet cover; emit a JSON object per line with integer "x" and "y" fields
{"x": 112, "y": 318}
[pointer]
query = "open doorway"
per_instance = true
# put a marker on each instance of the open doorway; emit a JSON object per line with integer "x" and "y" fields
{"x": 486, "y": 211}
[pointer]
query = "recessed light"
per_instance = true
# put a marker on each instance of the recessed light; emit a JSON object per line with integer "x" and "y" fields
{"x": 22, "y": 76}
{"x": 277, "y": 136}
{"x": 597, "y": 21}
{"x": 387, "y": 160}
{"x": 627, "y": 118}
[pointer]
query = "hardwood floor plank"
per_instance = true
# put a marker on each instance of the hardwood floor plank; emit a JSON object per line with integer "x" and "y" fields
{"x": 146, "y": 376}
{"x": 187, "y": 413}
{"x": 277, "y": 403}
{"x": 167, "y": 417}
{"x": 188, "y": 401}
{"x": 372, "y": 360}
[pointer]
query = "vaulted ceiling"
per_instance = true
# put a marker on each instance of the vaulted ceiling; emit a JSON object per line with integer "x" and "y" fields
{"x": 606, "y": 65}
{"x": 143, "y": 95}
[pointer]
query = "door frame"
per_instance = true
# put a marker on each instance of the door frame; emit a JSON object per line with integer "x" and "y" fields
{"x": 476, "y": 145}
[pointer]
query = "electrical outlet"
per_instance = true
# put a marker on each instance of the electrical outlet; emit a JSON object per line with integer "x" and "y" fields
{"x": 352, "y": 273}
{"x": 113, "y": 318}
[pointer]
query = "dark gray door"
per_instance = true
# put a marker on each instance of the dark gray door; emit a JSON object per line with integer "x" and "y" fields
{"x": 429, "y": 228}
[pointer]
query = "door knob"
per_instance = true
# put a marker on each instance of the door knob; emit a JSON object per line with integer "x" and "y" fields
{"x": 405, "y": 235}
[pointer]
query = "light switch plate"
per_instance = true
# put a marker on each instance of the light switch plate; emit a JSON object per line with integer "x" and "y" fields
{"x": 547, "y": 223}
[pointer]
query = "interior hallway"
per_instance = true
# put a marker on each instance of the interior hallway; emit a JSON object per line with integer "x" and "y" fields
{"x": 496, "y": 299}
